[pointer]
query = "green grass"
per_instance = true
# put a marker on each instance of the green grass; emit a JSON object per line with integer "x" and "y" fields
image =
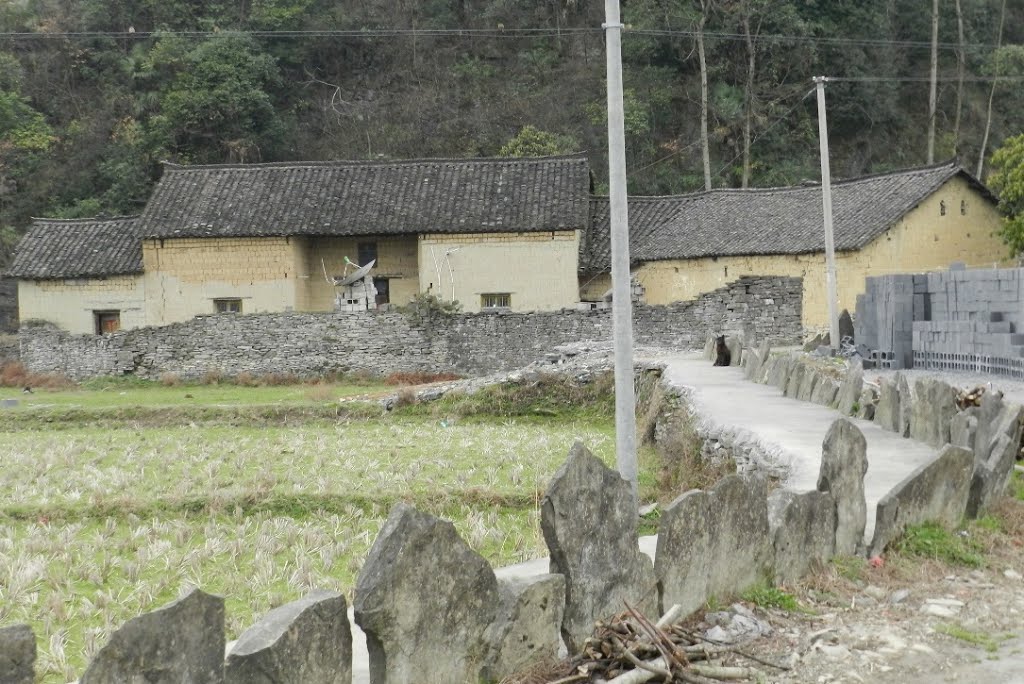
{"x": 129, "y": 394}
{"x": 1017, "y": 485}
{"x": 850, "y": 567}
{"x": 972, "y": 637}
{"x": 766, "y": 596}
{"x": 931, "y": 540}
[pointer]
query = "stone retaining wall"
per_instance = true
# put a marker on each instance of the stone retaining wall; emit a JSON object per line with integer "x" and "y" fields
{"x": 308, "y": 344}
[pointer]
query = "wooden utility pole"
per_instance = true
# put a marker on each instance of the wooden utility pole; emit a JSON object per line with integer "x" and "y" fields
{"x": 622, "y": 305}
{"x": 826, "y": 206}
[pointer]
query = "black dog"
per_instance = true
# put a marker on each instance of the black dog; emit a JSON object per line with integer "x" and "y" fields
{"x": 722, "y": 355}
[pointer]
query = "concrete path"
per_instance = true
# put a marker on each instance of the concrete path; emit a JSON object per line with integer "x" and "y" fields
{"x": 791, "y": 431}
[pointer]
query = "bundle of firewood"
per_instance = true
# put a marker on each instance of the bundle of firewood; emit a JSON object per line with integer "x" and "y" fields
{"x": 967, "y": 398}
{"x": 629, "y": 649}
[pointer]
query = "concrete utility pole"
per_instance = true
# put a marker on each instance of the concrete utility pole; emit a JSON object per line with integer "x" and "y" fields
{"x": 826, "y": 206}
{"x": 622, "y": 305}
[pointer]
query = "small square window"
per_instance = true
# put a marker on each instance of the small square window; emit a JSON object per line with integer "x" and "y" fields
{"x": 107, "y": 321}
{"x": 224, "y": 306}
{"x": 496, "y": 300}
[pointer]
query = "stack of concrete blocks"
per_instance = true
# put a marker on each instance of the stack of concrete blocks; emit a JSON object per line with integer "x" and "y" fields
{"x": 974, "y": 321}
{"x": 885, "y": 318}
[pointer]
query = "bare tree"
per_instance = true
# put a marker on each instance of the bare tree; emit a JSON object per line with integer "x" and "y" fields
{"x": 705, "y": 6}
{"x": 933, "y": 91}
{"x": 991, "y": 95}
{"x": 961, "y": 67}
{"x": 748, "y": 114}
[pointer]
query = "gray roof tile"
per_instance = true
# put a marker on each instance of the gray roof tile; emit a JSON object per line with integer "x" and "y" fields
{"x": 733, "y": 222}
{"x": 79, "y": 248}
{"x": 370, "y": 198}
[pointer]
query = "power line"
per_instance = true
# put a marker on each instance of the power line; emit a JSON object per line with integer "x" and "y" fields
{"x": 499, "y": 32}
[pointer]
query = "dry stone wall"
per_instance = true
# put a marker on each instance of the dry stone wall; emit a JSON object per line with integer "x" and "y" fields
{"x": 382, "y": 342}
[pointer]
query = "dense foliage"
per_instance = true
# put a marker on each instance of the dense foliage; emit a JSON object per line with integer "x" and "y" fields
{"x": 95, "y": 93}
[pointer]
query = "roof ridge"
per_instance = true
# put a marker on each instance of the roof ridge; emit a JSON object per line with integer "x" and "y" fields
{"x": 951, "y": 164}
{"x": 576, "y": 156}
{"x": 94, "y": 219}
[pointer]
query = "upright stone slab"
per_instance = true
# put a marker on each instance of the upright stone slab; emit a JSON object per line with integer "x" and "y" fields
{"x": 825, "y": 391}
{"x": 709, "y": 348}
{"x": 803, "y": 532}
{"x": 17, "y": 655}
{"x": 849, "y": 389}
{"x": 906, "y": 404}
{"x": 996, "y": 417}
{"x": 936, "y": 491}
{"x": 735, "y": 345}
{"x": 527, "y": 630}
{"x": 808, "y": 382}
{"x": 306, "y": 641}
{"x": 934, "y": 408}
{"x": 181, "y": 642}
{"x": 963, "y": 428}
{"x": 996, "y": 444}
{"x": 589, "y": 521}
{"x": 751, "y": 364}
{"x": 779, "y": 375}
{"x": 887, "y": 413}
{"x": 713, "y": 543}
{"x": 796, "y": 378}
{"x": 844, "y": 463}
{"x": 867, "y": 403}
{"x": 845, "y": 326}
{"x": 425, "y": 601}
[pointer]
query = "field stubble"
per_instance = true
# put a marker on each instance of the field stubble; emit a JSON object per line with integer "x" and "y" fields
{"x": 100, "y": 524}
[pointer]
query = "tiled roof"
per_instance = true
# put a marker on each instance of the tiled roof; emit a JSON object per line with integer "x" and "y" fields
{"x": 733, "y": 222}
{"x": 79, "y": 248}
{"x": 370, "y": 198}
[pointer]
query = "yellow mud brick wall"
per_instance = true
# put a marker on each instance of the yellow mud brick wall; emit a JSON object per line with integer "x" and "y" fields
{"x": 396, "y": 261}
{"x": 71, "y": 304}
{"x": 184, "y": 276}
{"x": 924, "y": 240}
{"x": 538, "y": 270}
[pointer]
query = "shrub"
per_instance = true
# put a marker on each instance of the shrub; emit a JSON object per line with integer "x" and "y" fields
{"x": 14, "y": 374}
{"x": 419, "y": 378}
{"x": 170, "y": 379}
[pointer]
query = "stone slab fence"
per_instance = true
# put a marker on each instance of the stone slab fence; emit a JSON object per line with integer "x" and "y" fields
{"x": 309, "y": 344}
{"x": 925, "y": 409}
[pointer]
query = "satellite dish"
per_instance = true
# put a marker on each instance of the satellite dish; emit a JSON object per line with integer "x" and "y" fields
{"x": 356, "y": 276}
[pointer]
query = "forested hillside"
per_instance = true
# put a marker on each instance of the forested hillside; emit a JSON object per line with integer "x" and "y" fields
{"x": 95, "y": 93}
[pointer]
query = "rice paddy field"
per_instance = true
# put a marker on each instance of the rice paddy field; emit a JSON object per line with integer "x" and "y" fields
{"x": 117, "y": 498}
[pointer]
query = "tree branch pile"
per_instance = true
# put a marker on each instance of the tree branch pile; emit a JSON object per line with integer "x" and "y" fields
{"x": 630, "y": 649}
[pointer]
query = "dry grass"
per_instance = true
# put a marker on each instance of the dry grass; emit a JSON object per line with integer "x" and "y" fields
{"x": 14, "y": 374}
{"x": 418, "y": 378}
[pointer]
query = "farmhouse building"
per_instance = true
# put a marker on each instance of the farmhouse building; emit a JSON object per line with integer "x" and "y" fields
{"x": 906, "y": 221}
{"x": 494, "y": 234}
{"x": 490, "y": 233}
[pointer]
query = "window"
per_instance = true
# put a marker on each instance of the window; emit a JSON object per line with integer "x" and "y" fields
{"x": 367, "y": 252}
{"x": 383, "y": 290}
{"x": 223, "y": 306}
{"x": 107, "y": 321}
{"x": 963, "y": 207}
{"x": 942, "y": 208}
{"x": 496, "y": 300}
